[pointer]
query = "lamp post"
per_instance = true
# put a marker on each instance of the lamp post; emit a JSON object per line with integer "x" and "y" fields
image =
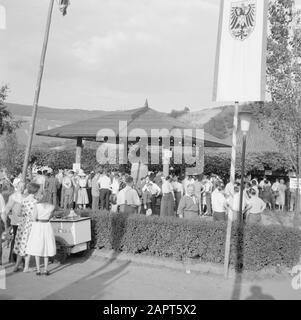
{"x": 245, "y": 120}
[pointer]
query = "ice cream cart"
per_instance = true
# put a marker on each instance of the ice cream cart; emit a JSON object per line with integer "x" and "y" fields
{"x": 72, "y": 235}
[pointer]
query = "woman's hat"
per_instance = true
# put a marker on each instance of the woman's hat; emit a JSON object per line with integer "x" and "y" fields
{"x": 81, "y": 174}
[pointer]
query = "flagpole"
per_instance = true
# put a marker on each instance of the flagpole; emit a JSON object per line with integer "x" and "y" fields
{"x": 232, "y": 181}
{"x": 37, "y": 92}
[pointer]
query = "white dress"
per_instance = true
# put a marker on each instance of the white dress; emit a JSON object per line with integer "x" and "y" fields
{"x": 41, "y": 241}
{"x": 82, "y": 195}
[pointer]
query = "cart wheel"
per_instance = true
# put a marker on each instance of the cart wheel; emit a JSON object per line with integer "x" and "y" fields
{"x": 61, "y": 252}
{"x": 85, "y": 252}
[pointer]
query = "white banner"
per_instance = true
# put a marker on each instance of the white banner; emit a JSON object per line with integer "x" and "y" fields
{"x": 293, "y": 183}
{"x": 240, "y": 68}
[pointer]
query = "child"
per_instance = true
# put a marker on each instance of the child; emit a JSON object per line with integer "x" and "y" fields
{"x": 41, "y": 241}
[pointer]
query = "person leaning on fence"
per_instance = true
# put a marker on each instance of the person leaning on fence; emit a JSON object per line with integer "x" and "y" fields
{"x": 219, "y": 203}
{"x": 128, "y": 199}
{"x": 189, "y": 206}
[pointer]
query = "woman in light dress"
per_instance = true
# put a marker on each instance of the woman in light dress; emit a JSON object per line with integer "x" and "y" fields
{"x": 82, "y": 194}
{"x": 280, "y": 200}
{"x": 41, "y": 241}
{"x": 27, "y": 210}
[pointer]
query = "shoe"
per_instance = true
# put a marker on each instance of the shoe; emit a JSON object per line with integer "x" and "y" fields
{"x": 38, "y": 273}
{"x": 47, "y": 273}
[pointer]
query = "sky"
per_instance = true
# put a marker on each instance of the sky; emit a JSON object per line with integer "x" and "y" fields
{"x": 112, "y": 54}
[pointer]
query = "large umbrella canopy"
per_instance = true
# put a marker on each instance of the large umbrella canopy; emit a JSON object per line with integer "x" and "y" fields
{"x": 144, "y": 118}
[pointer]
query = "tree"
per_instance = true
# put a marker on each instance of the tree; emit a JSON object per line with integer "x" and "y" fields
{"x": 7, "y": 122}
{"x": 8, "y": 139}
{"x": 281, "y": 117}
{"x": 9, "y": 152}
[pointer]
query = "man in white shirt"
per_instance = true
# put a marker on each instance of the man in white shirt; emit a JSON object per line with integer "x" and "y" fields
{"x": 150, "y": 192}
{"x": 275, "y": 191}
{"x": 40, "y": 180}
{"x": 128, "y": 199}
{"x": 104, "y": 183}
{"x": 234, "y": 205}
{"x": 219, "y": 203}
{"x": 255, "y": 207}
{"x": 261, "y": 184}
{"x": 152, "y": 187}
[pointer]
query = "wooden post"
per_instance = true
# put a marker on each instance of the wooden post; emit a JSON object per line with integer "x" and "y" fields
{"x": 232, "y": 181}
{"x": 37, "y": 92}
{"x": 79, "y": 147}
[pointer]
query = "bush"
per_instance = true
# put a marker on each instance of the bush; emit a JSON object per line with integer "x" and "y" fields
{"x": 263, "y": 246}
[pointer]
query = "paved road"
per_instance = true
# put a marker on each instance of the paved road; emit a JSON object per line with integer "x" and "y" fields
{"x": 100, "y": 278}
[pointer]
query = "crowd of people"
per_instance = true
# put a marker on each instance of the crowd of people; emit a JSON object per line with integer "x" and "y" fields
{"x": 155, "y": 194}
{"x": 29, "y": 207}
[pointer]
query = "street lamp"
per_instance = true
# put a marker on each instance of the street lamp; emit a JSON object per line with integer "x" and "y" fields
{"x": 245, "y": 121}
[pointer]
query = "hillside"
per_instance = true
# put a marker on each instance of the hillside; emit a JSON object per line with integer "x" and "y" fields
{"x": 47, "y": 118}
{"x": 215, "y": 121}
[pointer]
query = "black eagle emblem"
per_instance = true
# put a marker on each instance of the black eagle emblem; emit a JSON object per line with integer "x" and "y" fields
{"x": 242, "y": 20}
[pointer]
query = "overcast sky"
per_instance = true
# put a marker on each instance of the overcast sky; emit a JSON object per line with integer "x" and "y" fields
{"x": 112, "y": 54}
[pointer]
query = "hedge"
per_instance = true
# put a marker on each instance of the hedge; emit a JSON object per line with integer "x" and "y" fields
{"x": 263, "y": 246}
